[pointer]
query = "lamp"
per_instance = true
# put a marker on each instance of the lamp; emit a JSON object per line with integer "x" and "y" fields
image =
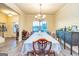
{"x": 40, "y": 16}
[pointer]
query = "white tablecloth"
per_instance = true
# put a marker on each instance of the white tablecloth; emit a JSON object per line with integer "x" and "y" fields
{"x": 27, "y": 46}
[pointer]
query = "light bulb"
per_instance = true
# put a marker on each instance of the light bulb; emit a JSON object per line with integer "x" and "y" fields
{"x": 39, "y": 14}
{"x": 35, "y": 16}
{"x": 44, "y": 16}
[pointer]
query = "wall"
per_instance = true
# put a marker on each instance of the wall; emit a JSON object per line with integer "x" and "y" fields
{"x": 21, "y": 24}
{"x": 68, "y": 15}
{"x": 27, "y": 23}
{"x": 21, "y": 17}
{"x": 3, "y": 19}
{"x": 9, "y": 24}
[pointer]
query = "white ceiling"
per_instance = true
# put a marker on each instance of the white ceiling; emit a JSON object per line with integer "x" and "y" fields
{"x": 6, "y": 10}
{"x": 35, "y": 8}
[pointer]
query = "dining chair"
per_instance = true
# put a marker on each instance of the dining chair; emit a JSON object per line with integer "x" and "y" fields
{"x": 25, "y": 35}
{"x": 43, "y": 47}
{"x": 53, "y": 35}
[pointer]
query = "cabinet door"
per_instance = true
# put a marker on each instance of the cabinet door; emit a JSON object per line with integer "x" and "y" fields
{"x": 68, "y": 37}
{"x": 75, "y": 38}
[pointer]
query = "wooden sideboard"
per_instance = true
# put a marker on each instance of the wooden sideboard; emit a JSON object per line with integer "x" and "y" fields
{"x": 72, "y": 38}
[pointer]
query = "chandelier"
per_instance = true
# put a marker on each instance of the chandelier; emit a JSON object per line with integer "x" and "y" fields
{"x": 40, "y": 15}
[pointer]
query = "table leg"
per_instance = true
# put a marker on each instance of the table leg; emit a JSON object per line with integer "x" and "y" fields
{"x": 71, "y": 49}
{"x": 64, "y": 44}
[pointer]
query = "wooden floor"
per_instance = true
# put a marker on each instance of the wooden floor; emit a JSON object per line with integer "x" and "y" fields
{"x": 13, "y": 48}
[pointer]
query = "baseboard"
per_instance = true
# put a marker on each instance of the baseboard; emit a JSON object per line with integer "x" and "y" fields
{"x": 10, "y": 37}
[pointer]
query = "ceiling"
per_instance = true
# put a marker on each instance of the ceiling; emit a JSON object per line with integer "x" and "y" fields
{"x": 29, "y": 8}
{"x": 6, "y": 10}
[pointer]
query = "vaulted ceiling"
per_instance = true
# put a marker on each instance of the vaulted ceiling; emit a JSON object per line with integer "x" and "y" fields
{"x": 29, "y": 8}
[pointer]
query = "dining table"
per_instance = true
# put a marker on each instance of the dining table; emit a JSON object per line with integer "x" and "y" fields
{"x": 28, "y": 44}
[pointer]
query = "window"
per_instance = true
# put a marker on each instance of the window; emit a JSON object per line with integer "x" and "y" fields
{"x": 43, "y": 26}
{"x": 35, "y": 26}
{"x": 15, "y": 27}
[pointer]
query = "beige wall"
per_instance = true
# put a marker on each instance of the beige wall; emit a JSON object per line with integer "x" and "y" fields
{"x": 27, "y": 23}
{"x": 21, "y": 24}
{"x": 3, "y": 19}
{"x": 9, "y": 24}
{"x": 68, "y": 15}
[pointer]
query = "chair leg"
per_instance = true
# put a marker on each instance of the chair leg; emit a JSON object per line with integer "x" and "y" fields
{"x": 31, "y": 54}
{"x": 50, "y": 54}
{"x": 71, "y": 49}
{"x": 54, "y": 53}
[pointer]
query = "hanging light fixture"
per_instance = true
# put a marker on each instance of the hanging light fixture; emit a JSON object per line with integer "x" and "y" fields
{"x": 40, "y": 10}
{"x": 40, "y": 16}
